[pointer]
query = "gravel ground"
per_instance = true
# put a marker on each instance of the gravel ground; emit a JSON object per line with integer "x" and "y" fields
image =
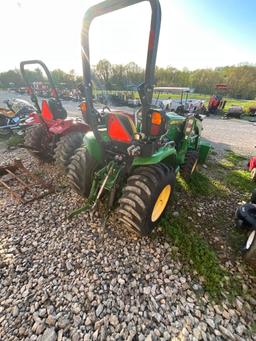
{"x": 66, "y": 280}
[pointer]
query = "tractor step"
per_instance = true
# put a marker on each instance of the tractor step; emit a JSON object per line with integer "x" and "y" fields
{"x": 23, "y": 185}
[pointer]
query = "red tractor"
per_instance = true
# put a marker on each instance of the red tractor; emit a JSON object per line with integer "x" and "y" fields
{"x": 216, "y": 102}
{"x": 51, "y": 135}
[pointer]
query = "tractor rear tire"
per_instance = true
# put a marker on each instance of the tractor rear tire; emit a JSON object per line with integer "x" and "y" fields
{"x": 191, "y": 161}
{"x": 146, "y": 197}
{"x": 66, "y": 148}
{"x": 81, "y": 170}
{"x": 38, "y": 142}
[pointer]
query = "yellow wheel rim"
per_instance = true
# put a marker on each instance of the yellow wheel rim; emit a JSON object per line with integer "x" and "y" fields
{"x": 161, "y": 203}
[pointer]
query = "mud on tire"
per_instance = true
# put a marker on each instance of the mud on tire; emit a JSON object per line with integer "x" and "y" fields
{"x": 189, "y": 166}
{"x": 38, "y": 143}
{"x": 81, "y": 170}
{"x": 141, "y": 195}
{"x": 66, "y": 148}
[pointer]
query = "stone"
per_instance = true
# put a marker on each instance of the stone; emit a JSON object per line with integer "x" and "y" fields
{"x": 146, "y": 290}
{"x": 49, "y": 335}
{"x": 99, "y": 310}
{"x": 225, "y": 332}
{"x": 51, "y": 320}
{"x": 113, "y": 320}
{"x": 15, "y": 311}
{"x": 63, "y": 322}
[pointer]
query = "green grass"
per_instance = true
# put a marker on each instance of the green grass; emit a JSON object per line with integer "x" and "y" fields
{"x": 197, "y": 252}
{"x": 217, "y": 182}
{"x": 234, "y": 158}
{"x": 15, "y": 140}
{"x": 202, "y": 185}
{"x": 240, "y": 180}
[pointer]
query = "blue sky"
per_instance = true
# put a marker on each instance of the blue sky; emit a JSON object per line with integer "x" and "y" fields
{"x": 194, "y": 34}
{"x": 233, "y": 19}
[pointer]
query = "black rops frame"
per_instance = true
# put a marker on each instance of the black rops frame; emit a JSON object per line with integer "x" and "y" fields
{"x": 48, "y": 74}
{"x": 145, "y": 89}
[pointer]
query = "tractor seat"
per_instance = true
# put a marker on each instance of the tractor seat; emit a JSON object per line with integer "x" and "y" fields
{"x": 53, "y": 110}
{"x": 57, "y": 109}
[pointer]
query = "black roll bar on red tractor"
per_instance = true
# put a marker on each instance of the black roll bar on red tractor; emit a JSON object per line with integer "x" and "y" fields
{"x": 54, "y": 92}
{"x": 145, "y": 89}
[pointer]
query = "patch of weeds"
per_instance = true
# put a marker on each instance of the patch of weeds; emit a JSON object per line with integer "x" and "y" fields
{"x": 201, "y": 185}
{"x": 234, "y": 158}
{"x": 15, "y": 140}
{"x": 240, "y": 179}
{"x": 236, "y": 239}
{"x": 227, "y": 165}
{"x": 196, "y": 250}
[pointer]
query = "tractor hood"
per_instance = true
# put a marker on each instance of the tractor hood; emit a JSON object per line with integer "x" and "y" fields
{"x": 173, "y": 118}
{"x": 175, "y": 125}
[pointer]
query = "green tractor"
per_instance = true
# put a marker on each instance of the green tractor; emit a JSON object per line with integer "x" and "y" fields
{"x": 132, "y": 160}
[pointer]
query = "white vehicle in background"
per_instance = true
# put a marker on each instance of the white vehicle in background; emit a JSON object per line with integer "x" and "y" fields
{"x": 177, "y": 105}
{"x": 133, "y": 102}
{"x": 164, "y": 104}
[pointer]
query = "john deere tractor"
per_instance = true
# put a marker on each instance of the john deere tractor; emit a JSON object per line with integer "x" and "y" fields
{"x": 131, "y": 161}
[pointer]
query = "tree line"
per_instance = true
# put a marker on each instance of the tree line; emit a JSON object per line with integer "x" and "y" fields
{"x": 240, "y": 79}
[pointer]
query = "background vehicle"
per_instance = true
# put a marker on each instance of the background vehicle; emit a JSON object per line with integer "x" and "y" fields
{"x": 13, "y": 117}
{"x": 132, "y": 161}
{"x": 51, "y": 135}
{"x": 216, "y": 103}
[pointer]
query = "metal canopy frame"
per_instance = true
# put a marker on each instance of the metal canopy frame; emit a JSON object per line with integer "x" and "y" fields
{"x": 145, "y": 89}
{"x": 49, "y": 77}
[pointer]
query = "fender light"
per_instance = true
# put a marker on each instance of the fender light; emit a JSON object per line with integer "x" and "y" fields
{"x": 157, "y": 123}
{"x": 83, "y": 107}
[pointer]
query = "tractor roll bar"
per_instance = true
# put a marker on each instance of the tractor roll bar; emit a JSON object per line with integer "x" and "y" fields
{"x": 46, "y": 70}
{"x": 146, "y": 89}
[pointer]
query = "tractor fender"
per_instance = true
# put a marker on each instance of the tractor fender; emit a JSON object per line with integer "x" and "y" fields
{"x": 164, "y": 154}
{"x": 93, "y": 146}
{"x": 62, "y": 127}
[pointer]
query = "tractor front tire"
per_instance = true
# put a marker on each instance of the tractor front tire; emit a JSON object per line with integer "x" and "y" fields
{"x": 66, "y": 147}
{"x": 81, "y": 170}
{"x": 146, "y": 197}
{"x": 189, "y": 167}
{"x": 38, "y": 143}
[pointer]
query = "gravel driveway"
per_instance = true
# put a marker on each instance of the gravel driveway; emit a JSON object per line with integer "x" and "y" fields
{"x": 233, "y": 134}
{"x": 63, "y": 280}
